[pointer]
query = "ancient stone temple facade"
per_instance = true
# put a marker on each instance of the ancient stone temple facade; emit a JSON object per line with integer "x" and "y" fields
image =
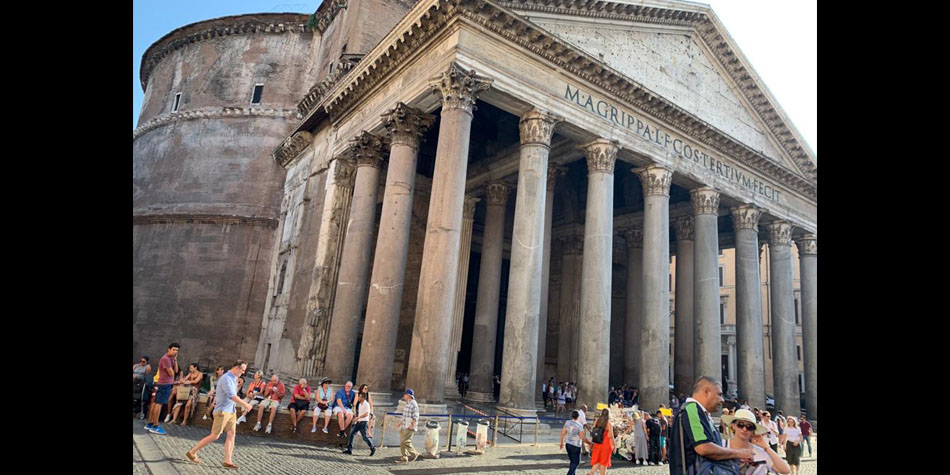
{"x": 497, "y": 188}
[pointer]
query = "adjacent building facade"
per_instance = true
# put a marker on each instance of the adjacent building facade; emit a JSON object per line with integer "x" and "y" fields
{"x": 489, "y": 187}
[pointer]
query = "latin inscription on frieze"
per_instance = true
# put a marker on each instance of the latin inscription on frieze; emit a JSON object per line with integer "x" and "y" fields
{"x": 646, "y": 130}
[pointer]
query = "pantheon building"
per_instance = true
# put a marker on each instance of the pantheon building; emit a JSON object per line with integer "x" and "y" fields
{"x": 396, "y": 192}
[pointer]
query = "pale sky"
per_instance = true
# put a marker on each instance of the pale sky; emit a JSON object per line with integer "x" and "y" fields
{"x": 779, "y": 38}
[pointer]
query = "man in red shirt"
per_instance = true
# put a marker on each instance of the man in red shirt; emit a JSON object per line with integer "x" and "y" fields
{"x": 273, "y": 393}
{"x": 299, "y": 402}
{"x": 806, "y": 432}
{"x": 167, "y": 367}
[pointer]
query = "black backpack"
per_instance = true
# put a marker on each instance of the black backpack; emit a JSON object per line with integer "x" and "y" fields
{"x": 597, "y": 435}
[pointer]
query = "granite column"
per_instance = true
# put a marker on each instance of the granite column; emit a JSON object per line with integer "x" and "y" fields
{"x": 631, "y": 351}
{"x": 405, "y": 127}
{"x": 553, "y": 174}
{"x": 750, "y": 374}
{"x": 784, "y": 358}
{"x": 489, "y": 289}
{"x": 428, "y": 353}
{"x": 683, "y": 373}
{"x": 655, "y": 324}
{"x": 369, "y": 152}
{"x": 594, "y": 358}
{"x": 519, "y": 363}
{"x": 707, "y": 343}
{"x": 458, "y": 314}
{"x": 571, "y": 249}
{"x": 808, "y": 268}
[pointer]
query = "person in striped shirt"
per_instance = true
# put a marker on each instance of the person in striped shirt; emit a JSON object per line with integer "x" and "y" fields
{"x": 410, "y": 417}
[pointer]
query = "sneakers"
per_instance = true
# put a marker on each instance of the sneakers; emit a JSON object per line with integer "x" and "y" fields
{"x": 242, "y": 419}
{"x": 168, "y": 418}
{"x": 204, "y": 417}
{"x": 267, "y": 431}
{"x": 325, "y": 431}
{"x": 313, "y": 429}
{"x": 348, "y": 451}
{"x": 341, "y": 434}
{"x": 257, "y": 427}
{"x": 157, "y": 430}
{"x": 372, "y": 451}
{"x": 148, "y": 426}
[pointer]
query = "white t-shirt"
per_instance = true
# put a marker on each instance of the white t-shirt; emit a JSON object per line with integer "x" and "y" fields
{"x": 793, "y": 434}
{"x": 363, "y": 412}
{"x": 582, "y": 418}
{"x": 772, "y": 435}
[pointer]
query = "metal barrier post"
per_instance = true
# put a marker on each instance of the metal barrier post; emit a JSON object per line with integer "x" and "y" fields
{"x": 495, "y": 442}
{"x": 537, "y": 425}
{"x": 448, "y": 442}
{"x": 383, "y": 441}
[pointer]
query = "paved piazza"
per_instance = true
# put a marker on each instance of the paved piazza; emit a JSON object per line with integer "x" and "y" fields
{"x": 268, "y": 455}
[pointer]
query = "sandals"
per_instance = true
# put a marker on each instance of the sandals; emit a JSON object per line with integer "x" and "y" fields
{"x": 194, "y": 458}
{"x": 229, "y": 465}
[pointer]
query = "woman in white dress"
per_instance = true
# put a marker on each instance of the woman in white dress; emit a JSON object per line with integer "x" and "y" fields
{"x": 640, "y": 440}
{"x": 750, "y": 434}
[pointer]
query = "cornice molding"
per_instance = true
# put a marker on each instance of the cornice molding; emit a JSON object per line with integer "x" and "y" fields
{"x": 191, "y": 218}
{"x": 291, "y": 148}
{"x": 213, "y": 113}
{"x": 228, "y": 26}
{"x": 508, "y": 25}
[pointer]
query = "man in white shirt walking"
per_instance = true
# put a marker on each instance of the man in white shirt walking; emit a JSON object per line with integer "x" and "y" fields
{"x": 362, "y": 419}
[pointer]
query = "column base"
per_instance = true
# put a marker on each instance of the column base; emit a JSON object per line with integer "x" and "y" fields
{"x": 451, "y": 392}
{"x": 382, "y": 399}
{"x": 476, "y": 396}
{"x": 519, "y": 412}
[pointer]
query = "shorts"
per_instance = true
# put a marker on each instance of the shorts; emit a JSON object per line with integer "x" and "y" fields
{"x": 223, "y": 422}
{"x": 317, "y": 411}
{"x": 256, "y": 401}
{"x": 339, "y": 409}
{"x": 164, "y": 391}
{"x": 270, "y": 403}
{"x": 662, "y": 441}
{"x": 299, "y": 405}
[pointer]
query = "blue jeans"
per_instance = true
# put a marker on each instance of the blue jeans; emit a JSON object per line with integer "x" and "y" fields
{"x": 807, "y": 440}
{"x": 573, "y": 453}
{"x": 361, "y": 428}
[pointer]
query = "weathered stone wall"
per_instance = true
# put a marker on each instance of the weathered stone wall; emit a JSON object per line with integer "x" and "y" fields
{"x": 206, "y": 190}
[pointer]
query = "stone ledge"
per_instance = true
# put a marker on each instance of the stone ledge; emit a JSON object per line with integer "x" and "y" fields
{"x": 213, "y": 113}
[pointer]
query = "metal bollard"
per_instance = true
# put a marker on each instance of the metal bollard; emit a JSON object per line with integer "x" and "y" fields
{"x": 494, "y": 441}
{"x": 383, "y": 441}
{"x": 448, "y": 438}
{"x": 537, "y": 425}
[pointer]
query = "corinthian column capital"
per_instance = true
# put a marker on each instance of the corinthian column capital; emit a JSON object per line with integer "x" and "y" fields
{"x": 601, "y": 155}
{"x": 684, "y": 226}
{"x": 656, "y": 180}
{"x": 633, "y": 236}
{"x": 368, "y": 150}
{"x": 807, "y": 245}
{"x": 497, "y": 193}
{"x": 406, "y": 125}
{"x": 780, "y": 233}
{"x": 344, "y": 172}
{"x": 469, "y": 211}
{"x": 459, "y": 88}
{"x": 746, "y": 217}
{"x": 705, "y": 200}
{"x": 537, "y": 128}
{"x": 555, "y": 172}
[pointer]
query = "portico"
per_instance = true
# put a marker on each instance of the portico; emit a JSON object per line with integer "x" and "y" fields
{"x": 481, "y": 104}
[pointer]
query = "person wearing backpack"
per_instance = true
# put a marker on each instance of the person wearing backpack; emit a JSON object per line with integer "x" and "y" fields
{"x": 603, "y": 438}
{"x": 695, "y": 445}
{"x": 573, "y": 435}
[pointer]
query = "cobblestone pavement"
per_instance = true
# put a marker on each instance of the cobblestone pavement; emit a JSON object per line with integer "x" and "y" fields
{"x": 267, "y": 455}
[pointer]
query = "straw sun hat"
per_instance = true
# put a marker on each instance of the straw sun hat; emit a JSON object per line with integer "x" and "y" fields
{"x": 744, "y": 415}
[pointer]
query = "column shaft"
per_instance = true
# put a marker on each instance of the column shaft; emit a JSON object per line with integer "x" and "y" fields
{"x": 489, "y": 289}
{"x": 808, "y": 255}
{"x": 655, "y": 326}
{"x": 596, "y": 275}
{"x": 519, "y": 363}
{"x": 707, "y": 351}
{"x": 750, "y": 374}
{"x": 634, "y": 304}
{"x": 683, "y": 371}
{"x": 784, "y": 358}
{"x": 540, "y": 377}
{"x": 570, "y": 291}
{"x": 354, "y": 266}
{"x": 389, "y": 266}
{"x": 458, "y": 314}
{"x": 437, "y": 277}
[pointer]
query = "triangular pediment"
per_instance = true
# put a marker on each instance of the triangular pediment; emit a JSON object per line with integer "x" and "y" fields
{"x": 682, "y": 53}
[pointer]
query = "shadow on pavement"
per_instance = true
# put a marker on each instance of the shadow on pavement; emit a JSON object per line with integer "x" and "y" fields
{"x": 491, "y": 468}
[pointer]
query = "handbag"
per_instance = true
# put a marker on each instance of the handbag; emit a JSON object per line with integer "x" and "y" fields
{"x": 184, "y": 391}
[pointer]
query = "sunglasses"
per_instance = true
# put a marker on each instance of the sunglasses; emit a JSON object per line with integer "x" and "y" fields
{"x": 745, "y": 425}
